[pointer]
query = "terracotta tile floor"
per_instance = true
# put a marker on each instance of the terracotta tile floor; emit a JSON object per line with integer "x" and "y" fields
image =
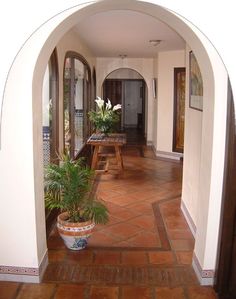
{"x": 145, "y": 251}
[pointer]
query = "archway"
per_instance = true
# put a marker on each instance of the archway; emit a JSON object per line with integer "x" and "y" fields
{"x": 20, "y": 101}
{"x": 128, "y": 87}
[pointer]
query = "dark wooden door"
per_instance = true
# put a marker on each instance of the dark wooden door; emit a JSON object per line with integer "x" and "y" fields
{"x": 112, "y": 90}
{"x": 226, "y": 272}
{"x": 179, "y": 109}
{"x": 131, "y": 94}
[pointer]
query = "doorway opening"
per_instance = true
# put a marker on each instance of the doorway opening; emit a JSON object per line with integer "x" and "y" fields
{"x": 50, "y": 121}
{"x": 128, "y": 88}
{"x": 214, "y": 94}
{"x": 179, "y": 109}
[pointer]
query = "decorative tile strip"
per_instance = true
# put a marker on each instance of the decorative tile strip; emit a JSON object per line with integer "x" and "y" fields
{"x": 203, "y": 273}
{"x": 19, "y": 270}
{"x": 208, "y": 273}
{"x": 79, "y": 113}
{"x": 46, "y": 133}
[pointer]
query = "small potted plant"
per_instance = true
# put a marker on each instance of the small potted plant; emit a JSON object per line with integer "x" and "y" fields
{"x": 105, "y": 116}
{"x": 68, "y": 187}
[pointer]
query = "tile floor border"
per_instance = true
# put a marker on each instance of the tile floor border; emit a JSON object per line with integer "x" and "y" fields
{"x": 146, "y": 275}
{"x": 165, "y": 243}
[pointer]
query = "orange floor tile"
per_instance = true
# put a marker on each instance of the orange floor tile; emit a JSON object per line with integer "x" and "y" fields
{"x": 145, "y": 251}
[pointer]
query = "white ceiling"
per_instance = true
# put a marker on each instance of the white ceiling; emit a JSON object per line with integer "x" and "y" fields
{"x": 115, "y": 32}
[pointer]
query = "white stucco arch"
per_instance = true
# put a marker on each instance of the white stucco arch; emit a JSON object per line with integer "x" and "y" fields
{"x": 128, "y": 64}
{"x": 134, "y": 74}
{"x": 21, "y": 162}
{"x": 134, "y": 65}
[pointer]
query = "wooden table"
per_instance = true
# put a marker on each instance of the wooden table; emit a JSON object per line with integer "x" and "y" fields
{"x": 101, "y": 141}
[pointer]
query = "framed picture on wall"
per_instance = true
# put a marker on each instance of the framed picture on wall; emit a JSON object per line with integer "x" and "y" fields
{"x": 195, "y": 84}
{"x": 154, "y": 87}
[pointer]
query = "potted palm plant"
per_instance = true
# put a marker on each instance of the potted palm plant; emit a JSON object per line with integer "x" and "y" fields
{"x": 68, "y": 187}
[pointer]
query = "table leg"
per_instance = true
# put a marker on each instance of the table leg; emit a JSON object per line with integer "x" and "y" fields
{"x": 95, "y": 157}
{"x": 119, "y": 157}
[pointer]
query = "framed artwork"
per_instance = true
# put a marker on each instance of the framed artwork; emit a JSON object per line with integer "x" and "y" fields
{"x": 154, "y": 87}
{"x": 195, "y": 84}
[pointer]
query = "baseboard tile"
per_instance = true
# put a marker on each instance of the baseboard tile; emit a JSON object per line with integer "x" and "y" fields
{"x": 189, "y": 219}
{"x": 205, "y": 277}
{"x": 43, "y": 265}
{"x": 20, "y": 278}
{"x": 168, "y": 155}
{"x": 24, "y": 274}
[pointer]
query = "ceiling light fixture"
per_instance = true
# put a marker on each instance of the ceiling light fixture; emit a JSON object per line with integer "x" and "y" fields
{"x": 122, "y": 56}
{"x": 155, "y": 42}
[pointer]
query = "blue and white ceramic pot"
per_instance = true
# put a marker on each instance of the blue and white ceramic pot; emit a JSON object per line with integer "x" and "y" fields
{"x": 74, "y": 235}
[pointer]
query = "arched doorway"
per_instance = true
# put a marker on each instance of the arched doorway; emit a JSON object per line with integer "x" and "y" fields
{"x": 30, "y": 173}
{"x": 50, "y": 107}
{"x": 127, "y": 87}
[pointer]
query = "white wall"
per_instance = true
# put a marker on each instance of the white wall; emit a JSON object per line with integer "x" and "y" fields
{"x": 167, "y": 61}
{"x": 22, "y": 113}
{"x": 212, "y": 160}
{"x": 192, "y": 152}
{"x": 21, "y": 157}
{"x": 144, "y": 66}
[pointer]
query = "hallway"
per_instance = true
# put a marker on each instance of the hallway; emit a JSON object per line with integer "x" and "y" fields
{"x": 145, "y": 251}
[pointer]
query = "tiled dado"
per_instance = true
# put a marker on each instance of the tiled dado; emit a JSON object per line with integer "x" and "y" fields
{"x": 24, "y": 274}
{"x": 205, "y": 277}
{"x": 19, "y": 270}
{"x": 188, "y": 218}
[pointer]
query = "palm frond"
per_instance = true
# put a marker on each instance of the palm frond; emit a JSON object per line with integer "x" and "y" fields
{"x": 67, "y": 187}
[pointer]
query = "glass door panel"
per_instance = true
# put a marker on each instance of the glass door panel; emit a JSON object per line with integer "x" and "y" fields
{"x": 47, "y": 119}
{"x": 50, "y": 123}
{"x": 67, "y": 97}
{"x": 78, "y": 105}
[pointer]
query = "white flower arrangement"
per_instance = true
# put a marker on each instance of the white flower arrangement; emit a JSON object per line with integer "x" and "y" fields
{"x": 105, "y": 115}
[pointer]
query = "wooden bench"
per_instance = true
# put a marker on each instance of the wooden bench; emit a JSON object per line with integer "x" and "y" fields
{"x": 101, "y": 143}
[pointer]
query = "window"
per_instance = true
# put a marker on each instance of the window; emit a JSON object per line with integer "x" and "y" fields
{"x": 50, "y": 110}
{"x": 77, "y": 101}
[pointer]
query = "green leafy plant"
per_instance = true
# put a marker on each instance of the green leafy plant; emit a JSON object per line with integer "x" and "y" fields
{"x": 68, "y": 187}
{"x": 105, "y": 116}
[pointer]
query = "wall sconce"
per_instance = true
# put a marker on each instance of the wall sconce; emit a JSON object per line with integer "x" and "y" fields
{"x": 122, "y": 56}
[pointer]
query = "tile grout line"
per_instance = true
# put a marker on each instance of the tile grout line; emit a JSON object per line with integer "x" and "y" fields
{"x": 18, "y": 290}
{"x": 54, "y": 291}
